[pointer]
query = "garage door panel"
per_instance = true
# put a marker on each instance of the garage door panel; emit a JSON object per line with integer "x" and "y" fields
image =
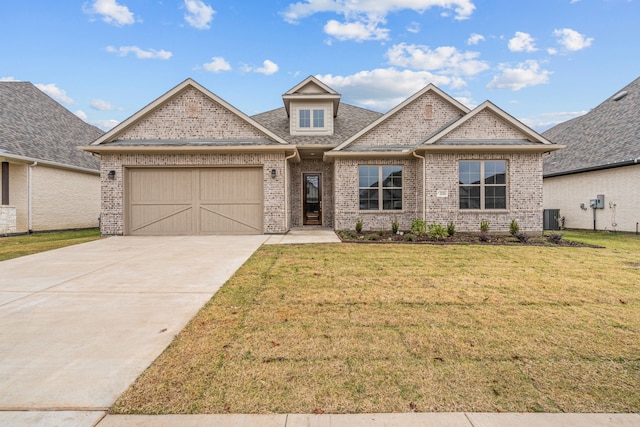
{"x": 230, "y": 219}
{"x": 182, "y": 201}
{"x": 161, "y": 185}
{"x": 161, "y": 219}
{"x": 230, "y": 185}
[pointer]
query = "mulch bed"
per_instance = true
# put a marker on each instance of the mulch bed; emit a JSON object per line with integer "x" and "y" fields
{"x": 549, "y": 239}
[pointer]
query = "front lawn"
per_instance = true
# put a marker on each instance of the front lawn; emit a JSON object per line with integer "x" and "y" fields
{"x": 17, "y": 246}
{"x": 349, "y": 328}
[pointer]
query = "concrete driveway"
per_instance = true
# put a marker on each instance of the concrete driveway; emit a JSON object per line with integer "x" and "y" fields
{"x": 79, "y": 324}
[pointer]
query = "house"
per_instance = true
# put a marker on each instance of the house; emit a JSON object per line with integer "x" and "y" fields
{"x": 47, "y": 182}
{"x": 191, "y": 163}
{"x": 594, "y": 182}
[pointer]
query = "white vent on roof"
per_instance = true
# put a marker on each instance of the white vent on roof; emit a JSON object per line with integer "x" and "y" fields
{"x": 618, "y": 96}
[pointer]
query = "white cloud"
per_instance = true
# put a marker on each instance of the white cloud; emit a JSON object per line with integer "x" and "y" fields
{"x": 384, "y": 88}
{"x": 552, "y": 51}
{"x": 199, "y": 14}
{"x": 414, "y": 28}
{"x": 357, "y": 31}
{"x": 55, "y": 92}
{"x": 572, "y": 40}
{"x": 82, "y": 115}
{"x": 268, "y": 68}
{"x": 217, "y": 65}
{"x": 474, "y": 39}
{"x": 364, "y": 17}
{"x": 140, "y": 53}
{"x": 522, "y": 42}
{"x": 102, "y": 105}
{"x": 111, "y": 11}
{"x": 525, "y": 74}
{"x": 444, "y": 59}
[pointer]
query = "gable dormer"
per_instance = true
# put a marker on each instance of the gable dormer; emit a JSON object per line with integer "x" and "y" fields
{"x": 311, "y": 107}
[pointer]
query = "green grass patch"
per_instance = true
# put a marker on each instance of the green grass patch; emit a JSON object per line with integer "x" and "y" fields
{"x": 17, "y": 246}
{"x": 349, "y": 328}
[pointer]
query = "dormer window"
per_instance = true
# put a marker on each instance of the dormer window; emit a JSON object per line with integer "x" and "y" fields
{"x": 318, "y": 119}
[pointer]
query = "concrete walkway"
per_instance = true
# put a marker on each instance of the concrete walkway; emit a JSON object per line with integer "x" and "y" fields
{"x": 304, "y": 235}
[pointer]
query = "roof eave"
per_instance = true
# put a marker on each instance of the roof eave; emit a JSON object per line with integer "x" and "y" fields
{"x": 32, "y": 160}
{"x": 172, "y": 149}
{"x": 541, "y": 148}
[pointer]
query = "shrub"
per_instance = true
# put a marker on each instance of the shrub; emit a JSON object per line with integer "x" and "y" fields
{"x": 438, "y": 232}
{"x": 522, "y": 237}
{"x": 451, "y": 229}
{"x": 409, "y": 237}
{"x": 346, "y": 234}
{"x": 373, "y": 237}
{"x": 395, "y": 226}
{"x": 484, "y": 236}
{"x": 418, "y": 227}
{"x": 514, "y": 228}
{"x": 359, "y": 225}
{"x": 484, "y": 226}
{"x": 554, "y": 238}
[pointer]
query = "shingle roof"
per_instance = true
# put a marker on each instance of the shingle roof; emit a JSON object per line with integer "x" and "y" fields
{"x": 34, "y": 125}
{"x": 349, "y": 121}
{"x": 608, "y": 134}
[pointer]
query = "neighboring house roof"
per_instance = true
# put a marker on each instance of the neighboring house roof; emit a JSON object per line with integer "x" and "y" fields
{"x": 349, "y": 121}
{"x": 34, "y": 126}
{"x": 607, "y": 136}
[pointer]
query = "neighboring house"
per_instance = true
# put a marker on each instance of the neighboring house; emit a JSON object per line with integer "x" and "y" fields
{"x": 191, "y": 163}
{"x": 602, "y": 158}
{"x": 46, "y": 182}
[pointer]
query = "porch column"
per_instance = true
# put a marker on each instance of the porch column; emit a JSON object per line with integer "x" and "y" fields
{"x": 5, "y": 183}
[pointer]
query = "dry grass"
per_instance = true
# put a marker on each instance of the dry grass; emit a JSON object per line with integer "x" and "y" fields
{"x": 17, "y": 246}
{"x": 353, "y": 328}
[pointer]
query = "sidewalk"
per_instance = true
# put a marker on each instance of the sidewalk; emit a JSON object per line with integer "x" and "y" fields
{"x": 460, "y": 419}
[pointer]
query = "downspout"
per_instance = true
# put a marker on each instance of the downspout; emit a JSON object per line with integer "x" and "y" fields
{"x": 286, "y": 193}
{"x": 30, "y": 196}
{"x": 424, "y": 185}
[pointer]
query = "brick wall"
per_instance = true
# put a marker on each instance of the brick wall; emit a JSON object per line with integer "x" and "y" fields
{"x": 346, "y": 197}
{"x": 191, "y": 115}
{"x": 7, "y": 220}
{"x": 113, "y": 194}
{"x": 410, "y": 125}
{"x": 524, "y": 193}
{"x": 485, "y": 125}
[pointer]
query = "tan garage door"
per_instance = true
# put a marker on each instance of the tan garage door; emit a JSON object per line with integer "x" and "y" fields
{"x": 185, "y": 201}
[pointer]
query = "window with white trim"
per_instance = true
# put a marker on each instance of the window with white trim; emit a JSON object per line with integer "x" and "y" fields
{"x": 482, "y": 184}
{"x": 309, "y": 118}
{"x": 380, "y": 187}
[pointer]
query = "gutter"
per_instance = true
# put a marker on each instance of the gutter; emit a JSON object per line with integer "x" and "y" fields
{"x": 286, "y": 193}
{"x": 49, "y": 163}
{"x": 594, "y": 168}
{"x": 30, "y": 196}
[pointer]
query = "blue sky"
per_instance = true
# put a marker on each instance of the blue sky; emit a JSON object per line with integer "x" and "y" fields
{"x": 543, "y": 61}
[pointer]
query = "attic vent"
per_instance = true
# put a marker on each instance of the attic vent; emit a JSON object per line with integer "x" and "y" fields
{"x": 193, "y": 109}
{"x": 618, "y": 96}
{"x": 428, "y": 112}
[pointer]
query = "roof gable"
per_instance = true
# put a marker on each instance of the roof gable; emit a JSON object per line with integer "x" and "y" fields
{"x": 34, "y": 126}
{"x": 311, "y": 89}
{"x": 387, "y": 117}
{"x": 188, "y": 98}
{"x": 486, "y": 122}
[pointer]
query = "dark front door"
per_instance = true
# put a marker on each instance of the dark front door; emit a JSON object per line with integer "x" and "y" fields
{"x": 312, "y": 202}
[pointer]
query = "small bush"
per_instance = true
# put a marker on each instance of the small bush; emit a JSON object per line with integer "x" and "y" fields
{"x": 409, "y": 237}
{"x": 418, "y": 227}
{"x": 359, "y": 225}
{"x": 484, "y": 236}
{"x": 395, "y": 226}
{"x": 554, "y": 238}
{"x": 373, "y": 237}
{"x": 346, "y": 234}
{"x": 438, "y": 232}
{"x": 514, "y": 228}
{"x": 381, "y": 233}
{"x": 484, "y": 226}
{"x": 522, "y": 237}
{"x": 451, "y": 229}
